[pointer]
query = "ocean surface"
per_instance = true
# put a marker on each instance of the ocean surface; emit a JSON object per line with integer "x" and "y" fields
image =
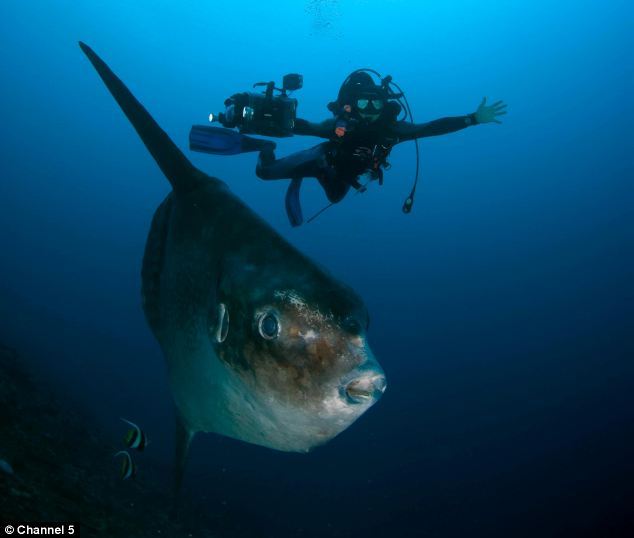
{"x": 501, "y": 307}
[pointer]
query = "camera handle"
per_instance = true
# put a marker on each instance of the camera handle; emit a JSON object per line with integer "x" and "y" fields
{"x": 270, "y": 86}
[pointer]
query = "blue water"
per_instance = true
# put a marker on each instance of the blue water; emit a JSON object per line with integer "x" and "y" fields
{"x": 501, "y": 307}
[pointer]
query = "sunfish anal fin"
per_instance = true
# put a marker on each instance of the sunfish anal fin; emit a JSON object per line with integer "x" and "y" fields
{"x": 184, "y": 438}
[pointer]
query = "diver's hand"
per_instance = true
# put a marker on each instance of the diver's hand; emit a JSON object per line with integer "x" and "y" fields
{"x": 488, "y": 114}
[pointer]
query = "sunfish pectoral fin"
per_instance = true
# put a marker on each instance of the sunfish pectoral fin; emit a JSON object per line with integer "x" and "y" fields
{"x": 222, "y": 323}
{"x": 176, "y": 167}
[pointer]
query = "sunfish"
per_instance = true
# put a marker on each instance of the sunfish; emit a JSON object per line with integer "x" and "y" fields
{"x": 261, "y": 344}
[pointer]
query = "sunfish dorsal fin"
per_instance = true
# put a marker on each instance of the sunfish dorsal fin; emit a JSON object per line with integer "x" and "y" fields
{"x": 176, "y": 167}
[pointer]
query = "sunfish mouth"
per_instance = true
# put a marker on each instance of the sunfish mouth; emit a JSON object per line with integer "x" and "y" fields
{"x": 365, "y": 389}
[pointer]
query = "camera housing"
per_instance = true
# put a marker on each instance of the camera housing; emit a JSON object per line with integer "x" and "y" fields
{"x": 263, "y": 113}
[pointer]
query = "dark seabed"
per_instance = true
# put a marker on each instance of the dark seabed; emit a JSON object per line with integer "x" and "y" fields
{"x": 501, "y": 307}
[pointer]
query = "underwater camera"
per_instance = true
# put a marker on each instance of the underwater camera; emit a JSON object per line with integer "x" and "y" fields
{"x": 263, "y": 113}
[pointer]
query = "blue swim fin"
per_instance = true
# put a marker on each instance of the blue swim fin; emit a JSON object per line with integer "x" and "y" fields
{"x": 221, "y": 141}
{"x": 293, "y": 205}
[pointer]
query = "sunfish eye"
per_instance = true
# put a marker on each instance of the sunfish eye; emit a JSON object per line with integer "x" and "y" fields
{"x": 268, "y": 326}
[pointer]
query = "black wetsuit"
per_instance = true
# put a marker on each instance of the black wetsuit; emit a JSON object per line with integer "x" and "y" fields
{"x": 339, "y": 162}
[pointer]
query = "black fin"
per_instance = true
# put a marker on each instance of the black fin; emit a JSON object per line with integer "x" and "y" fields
{"x": 184, "y": 438}
{"x": 176, "y": 167}
{"x": 221, "y": 141}
{"x": 293, "y": 205}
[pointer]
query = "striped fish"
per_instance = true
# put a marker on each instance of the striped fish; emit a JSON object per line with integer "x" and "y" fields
{"x": 135, "y": 438}
{"x": 128, "y": 467}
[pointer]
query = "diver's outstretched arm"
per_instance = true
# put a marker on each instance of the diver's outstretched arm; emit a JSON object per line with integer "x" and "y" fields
{"x": 324, "y": 129}
{"x": 409, "y": 131}
{"x": 484, "y": 114}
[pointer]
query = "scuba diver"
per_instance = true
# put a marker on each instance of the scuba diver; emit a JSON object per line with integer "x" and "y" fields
{"x": 359, "y": 138}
